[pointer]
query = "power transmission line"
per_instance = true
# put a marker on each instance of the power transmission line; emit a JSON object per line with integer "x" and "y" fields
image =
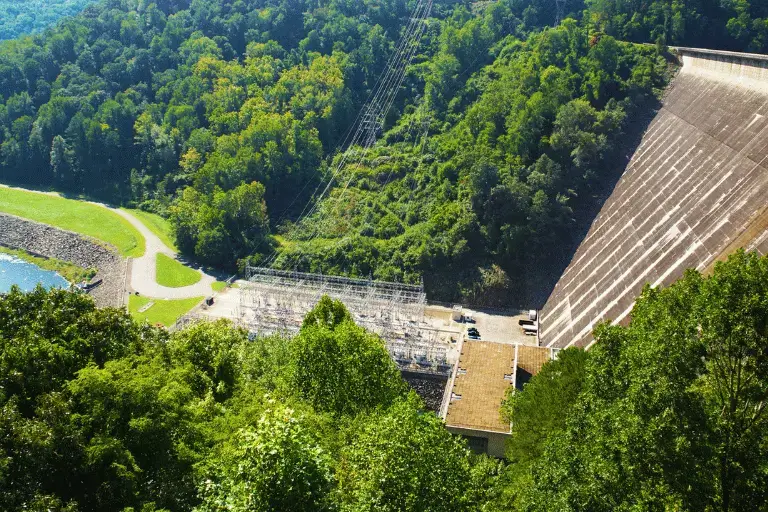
{"x": 372, "y": 115}
{"x": 560, "y": 11}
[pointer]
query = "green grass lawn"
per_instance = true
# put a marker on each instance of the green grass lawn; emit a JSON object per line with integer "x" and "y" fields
{"x": 157, "y": 224}
{"x": 78, "y": 216}
{"x": 220, "y": 285}
{"x": 164, "y": 312}
{"x": 173, "y": 274}
{"x": 68, "y": 271}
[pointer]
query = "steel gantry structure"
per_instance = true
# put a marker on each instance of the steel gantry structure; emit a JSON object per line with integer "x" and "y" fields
{"x": 276, "y": 301}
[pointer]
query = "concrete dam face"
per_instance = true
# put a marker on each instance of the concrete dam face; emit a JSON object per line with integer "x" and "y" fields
{"x": 695, "y": 190}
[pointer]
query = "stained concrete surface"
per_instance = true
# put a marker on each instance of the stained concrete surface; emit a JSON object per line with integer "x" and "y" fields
{"x": 696, "y": 184}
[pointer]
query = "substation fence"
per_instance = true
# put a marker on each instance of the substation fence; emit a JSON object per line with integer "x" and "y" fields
{"x": 270, "y": 292}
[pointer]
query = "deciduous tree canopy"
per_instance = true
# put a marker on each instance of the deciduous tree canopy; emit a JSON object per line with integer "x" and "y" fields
{"x": 227, "y": 116}
{"x": 31, "y": 16}
{"x": 98, "y": 412}
{"x": 671, "y": 412}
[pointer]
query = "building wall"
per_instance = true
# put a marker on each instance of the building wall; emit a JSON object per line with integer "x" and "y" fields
{"x": 496, "y": 440}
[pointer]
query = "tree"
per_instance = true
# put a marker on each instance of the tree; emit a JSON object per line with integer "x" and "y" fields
{"x": 403, "y": 459}
{"x": 136, "y": 434}
{"x": 672, "y": 406}
{"x": 540, "y": 409}
{"x": 47, "y": 336}
{"x": 732, "y": 310}
{"x": 214, "y": 350}
{"x": 327, "y": 313}
{"x": 222, "y": 227}
{"x": 275, "y": 465}
{"x": 340, "y": 367}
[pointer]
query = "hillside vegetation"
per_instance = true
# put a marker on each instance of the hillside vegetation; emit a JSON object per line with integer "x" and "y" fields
{"x": 226, "y": 117}
{"x": 102, "y": 413}
{"x": 19, "y": 17}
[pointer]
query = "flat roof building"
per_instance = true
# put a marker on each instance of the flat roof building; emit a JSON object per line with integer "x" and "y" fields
{"x": 482, "y": 376}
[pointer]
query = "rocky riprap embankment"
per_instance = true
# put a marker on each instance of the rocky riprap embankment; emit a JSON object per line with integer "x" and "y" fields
{"x": 429, "y": 388}
{"x": 44, "y": 240}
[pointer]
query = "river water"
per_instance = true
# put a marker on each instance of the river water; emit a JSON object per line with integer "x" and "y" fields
{"x": 26, "y": 275}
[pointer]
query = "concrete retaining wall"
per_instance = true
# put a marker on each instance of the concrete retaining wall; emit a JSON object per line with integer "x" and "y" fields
{"x": 742, "y": 70}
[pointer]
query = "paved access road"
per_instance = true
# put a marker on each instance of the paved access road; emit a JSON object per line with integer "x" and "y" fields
{"x": 143, "y": 275}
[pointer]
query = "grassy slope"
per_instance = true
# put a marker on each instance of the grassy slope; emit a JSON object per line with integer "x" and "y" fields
{"x": 174, "y": 274}
{"x": 157, "y": 224}
{"x": 68, "y": 271}
{"x": 165, "y": 312}
{"x": 78, "y": 216}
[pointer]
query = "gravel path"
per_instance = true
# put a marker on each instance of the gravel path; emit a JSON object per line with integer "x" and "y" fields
{"x": 143, "y": 275}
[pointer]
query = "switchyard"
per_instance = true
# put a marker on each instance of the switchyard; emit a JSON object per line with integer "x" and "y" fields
{"x": 422, "y": 338}
{"x": 277, "y": 300}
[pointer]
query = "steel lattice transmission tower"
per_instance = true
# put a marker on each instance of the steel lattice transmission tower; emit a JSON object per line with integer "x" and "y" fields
{"x": 560, "y": 11}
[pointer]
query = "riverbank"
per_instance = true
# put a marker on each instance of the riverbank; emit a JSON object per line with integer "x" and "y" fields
{"x": 72, "y": 273}
{"x": 90, "y": 219}
{"x": 47, "y": 241}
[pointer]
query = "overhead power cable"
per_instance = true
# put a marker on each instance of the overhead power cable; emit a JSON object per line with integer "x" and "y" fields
{"x": 370, "y": 120}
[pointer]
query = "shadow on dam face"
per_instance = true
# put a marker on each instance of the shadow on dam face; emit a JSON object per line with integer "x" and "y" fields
{"x": 695, "y": 189}
{"x": 544, "y": 275}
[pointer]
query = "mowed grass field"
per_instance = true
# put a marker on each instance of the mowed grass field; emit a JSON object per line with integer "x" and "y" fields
{"x": 164, "y": 312}
{"x": 174, "y": 274}
{"x": 78, "y": 216}
{"x": 156, "y": 224}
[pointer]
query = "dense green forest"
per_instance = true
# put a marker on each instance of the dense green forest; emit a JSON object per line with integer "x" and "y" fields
{"x": 19, "y": 17}
{"x": 98, "y": 412}
{"x": 227, "y": 115}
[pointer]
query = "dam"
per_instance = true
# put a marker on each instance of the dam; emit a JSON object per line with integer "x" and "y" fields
{"x": 695, "y": 190}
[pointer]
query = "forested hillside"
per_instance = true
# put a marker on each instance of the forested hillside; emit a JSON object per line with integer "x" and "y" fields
{"x": 100, "y": 413}
{"x": 227, "y": 115}
{"x": 19, "y": 17}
